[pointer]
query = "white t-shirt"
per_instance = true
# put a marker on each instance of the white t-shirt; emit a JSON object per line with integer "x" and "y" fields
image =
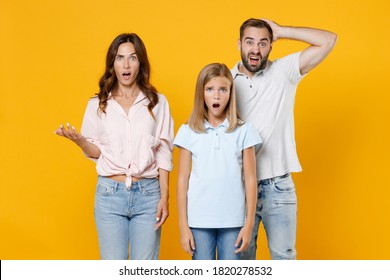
{"x": 267, "y": 102}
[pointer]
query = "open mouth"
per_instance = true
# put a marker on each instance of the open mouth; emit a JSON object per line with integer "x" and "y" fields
{"x": 254, "y": 59}
{"x": 126, "y": 74}
{"x": 216, "y": 105}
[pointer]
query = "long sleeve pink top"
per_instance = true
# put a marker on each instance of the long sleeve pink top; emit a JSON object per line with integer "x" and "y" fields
{"x": 133, "y": 144}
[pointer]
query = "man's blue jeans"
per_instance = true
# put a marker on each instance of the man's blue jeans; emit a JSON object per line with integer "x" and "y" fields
{"x": 277, "y": 209}
{"x": 127, "y": 216}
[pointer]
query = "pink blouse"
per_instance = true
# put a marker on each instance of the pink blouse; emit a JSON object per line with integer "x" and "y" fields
{"x": 133, "y": 144}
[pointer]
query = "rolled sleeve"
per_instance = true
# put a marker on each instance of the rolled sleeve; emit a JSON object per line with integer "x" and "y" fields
{"x": 164, "y": 132}
{"x": 89, "y": 127}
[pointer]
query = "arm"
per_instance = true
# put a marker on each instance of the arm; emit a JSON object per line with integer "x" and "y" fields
{"x": 164, "y": 132}
{"x": 186, "y": 237}
{"x": 162, "y": 207}
{"x": 250, "y": 181}
{"x": 72, "y": 134}
{"x": 321, "y": 43}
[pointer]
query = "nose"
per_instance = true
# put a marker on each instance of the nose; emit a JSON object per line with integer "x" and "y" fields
{"x": 126, "y": 63}
{"x": 256, "y": 48}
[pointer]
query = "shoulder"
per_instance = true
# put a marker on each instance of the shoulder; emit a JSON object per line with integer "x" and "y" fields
{"x": 183, "y": 136}
{"x": 245, "y": 126}
{"x": 235, "y": 70}
{"x": 294, "y": 57}
{"x": 162, "y": 98}
{"x": 248, "y": 129}
{"x": 93, "y": 102}
{"x": 162, "y": 103}
{"x": 185, "y": 129}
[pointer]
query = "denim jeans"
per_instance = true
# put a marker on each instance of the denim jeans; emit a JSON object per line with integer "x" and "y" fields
{"x": 127, "y": 216}
{"x": 277, "y": 209}
{"x": 209, "y": 240}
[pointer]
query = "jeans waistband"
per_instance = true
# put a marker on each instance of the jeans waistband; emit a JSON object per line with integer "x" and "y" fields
{"x": 117, "y": 184}
{"x": 270, "y": 180}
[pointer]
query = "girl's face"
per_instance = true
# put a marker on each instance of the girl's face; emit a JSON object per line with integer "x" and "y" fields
{"x": 216, "y": 96}
{"x": 126, "y": 65}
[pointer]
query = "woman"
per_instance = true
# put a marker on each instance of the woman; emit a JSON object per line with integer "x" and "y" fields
{"x": 128, "y": 131}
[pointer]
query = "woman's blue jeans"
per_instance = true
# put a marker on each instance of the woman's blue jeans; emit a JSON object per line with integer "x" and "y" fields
{"x": 127, "y": 216}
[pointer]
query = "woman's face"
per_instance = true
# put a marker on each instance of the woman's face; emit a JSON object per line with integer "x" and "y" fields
{"x": 126, "y": 65}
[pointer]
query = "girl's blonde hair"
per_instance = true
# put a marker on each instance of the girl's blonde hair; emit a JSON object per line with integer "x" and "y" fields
{"x": 199, "y": 112}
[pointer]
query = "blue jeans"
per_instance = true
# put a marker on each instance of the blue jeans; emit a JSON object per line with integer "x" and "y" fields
{"x": 127, "y": 216}
{"x": 277, "y": 208}
{"x": 210, "y": 240}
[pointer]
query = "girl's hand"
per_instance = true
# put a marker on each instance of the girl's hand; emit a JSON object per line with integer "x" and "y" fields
{"x": 244, "y": 238}
{"x": 187, "y": 240}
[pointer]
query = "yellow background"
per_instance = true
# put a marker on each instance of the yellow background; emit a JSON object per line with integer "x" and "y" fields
{"x": 52, "y": 55}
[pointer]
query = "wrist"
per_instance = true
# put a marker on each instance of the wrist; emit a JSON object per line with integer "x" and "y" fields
{"x": 82, "y": 142}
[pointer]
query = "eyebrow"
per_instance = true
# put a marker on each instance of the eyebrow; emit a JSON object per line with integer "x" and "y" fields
{"x": 250, "y": 38}
{"x": 134, "y": 53}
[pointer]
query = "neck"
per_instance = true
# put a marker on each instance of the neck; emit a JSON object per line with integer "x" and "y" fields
{"x": 128, "y": 92}
{"x": 245, "y": 71}
{"x": 250, "y": 74}
{"x": 216, "y": 121}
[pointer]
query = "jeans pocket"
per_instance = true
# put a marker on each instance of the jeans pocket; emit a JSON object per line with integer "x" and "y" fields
{"x": 284, "y": 184}
{"x": 151, "y": 188}
{"x": 103, "y": 189}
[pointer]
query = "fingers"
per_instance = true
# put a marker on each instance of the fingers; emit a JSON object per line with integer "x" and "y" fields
{"x": 244, "y": 244}
{"x": 68, "y": 131}
{"x": 243, "y": 247}
{"x": 238, "y": 240}
{"x": 192, "y": 244}
{"x": 161, "y": 217}
{"x": 188, "y": 245}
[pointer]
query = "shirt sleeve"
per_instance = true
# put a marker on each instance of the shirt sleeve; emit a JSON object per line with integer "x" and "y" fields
{"x": 290, "y": 66}
{"x": 251, "y": 137}
{"x": 89, "y": 127}
{"x": 164, "y": 132}
{"x": 182, "y": 139}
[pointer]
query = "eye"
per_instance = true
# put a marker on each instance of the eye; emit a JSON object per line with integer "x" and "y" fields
{"x": 133, "y": 58}
{"x": 263, "y": 44}
{"x": 208, "y": 89}
{"x": 249, "y": 43}
{"x": 118, "y": 57}
{"x": 223, "y": 90}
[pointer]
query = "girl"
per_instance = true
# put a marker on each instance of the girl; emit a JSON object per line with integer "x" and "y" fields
{"x": 212, "y": 195}
{"x": 128, "y": 131}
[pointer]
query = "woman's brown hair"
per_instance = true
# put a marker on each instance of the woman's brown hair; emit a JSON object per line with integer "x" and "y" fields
{"x": 108, "y": 82}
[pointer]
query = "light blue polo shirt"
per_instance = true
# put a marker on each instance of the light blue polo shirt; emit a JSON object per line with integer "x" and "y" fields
{"x": 216, "y": 193}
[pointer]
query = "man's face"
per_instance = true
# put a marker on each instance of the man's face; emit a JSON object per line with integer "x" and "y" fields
{"x": 255, "y": 47}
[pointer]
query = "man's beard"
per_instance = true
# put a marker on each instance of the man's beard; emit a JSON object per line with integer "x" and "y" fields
{"x": 254, "y": 69}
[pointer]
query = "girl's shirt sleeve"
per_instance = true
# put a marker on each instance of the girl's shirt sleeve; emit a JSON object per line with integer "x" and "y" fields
{"x": 251, "y": 137}
{"x": 182, "y": 139}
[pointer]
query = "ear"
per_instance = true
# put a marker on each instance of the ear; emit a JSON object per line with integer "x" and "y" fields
{"x": 239, "y": 44}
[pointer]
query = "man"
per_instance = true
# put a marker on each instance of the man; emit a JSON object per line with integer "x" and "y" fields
{"x": 265, "y": 98}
